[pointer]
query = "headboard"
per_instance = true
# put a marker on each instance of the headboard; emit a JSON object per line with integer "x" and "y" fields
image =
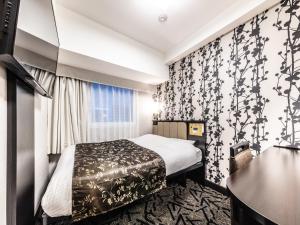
{"x": 188, "y": 130}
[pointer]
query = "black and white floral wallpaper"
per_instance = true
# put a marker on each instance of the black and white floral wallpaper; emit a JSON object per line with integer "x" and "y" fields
{"x": 288, "y": 77}
{"x": 245, "y": 84}
{"x": 210, "y": 102}
{"x": 246, "y": 67}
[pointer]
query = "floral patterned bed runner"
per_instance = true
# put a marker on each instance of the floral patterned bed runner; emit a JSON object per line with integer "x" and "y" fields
{"x": 111, "y": 174}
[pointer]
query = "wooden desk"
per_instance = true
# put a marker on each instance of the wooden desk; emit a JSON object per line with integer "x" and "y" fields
{"x": 269, "y": 188}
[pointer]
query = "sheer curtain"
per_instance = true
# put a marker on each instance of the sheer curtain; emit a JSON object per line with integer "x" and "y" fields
{"x": 113, "y": 113}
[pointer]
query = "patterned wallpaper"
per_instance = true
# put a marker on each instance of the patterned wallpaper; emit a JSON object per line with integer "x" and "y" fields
{"x": 245, "y": 84}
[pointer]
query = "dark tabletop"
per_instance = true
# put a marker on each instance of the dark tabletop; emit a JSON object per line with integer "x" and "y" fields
{"x": 270, "y": 185}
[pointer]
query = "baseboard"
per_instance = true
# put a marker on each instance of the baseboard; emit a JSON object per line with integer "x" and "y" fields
{"x": 216, "y": 187}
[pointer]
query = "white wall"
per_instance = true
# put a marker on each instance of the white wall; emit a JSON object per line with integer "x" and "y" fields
{"x": 91, "y": 76}
{"x": 41, "y": 158}
{"x": 40, "y": 147}
{"x": 81, "y": 35}
{"x": 36, "y": 17}
{"x": 145, "y": 104}
{"x": 3, "y": 135}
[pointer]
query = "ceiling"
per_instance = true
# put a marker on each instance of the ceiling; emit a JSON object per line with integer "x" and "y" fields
{"x": 125, "y": 38}
{"x": 138, "y": 19}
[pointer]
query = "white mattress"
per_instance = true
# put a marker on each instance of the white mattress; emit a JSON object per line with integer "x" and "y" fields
{"x": 178, "y": 154}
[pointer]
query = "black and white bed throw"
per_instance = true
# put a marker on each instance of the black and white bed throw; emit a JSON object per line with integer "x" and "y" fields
{"x": 111, "y": 174}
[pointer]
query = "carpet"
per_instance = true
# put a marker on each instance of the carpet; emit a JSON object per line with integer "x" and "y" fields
{"x": 176, "y": 205}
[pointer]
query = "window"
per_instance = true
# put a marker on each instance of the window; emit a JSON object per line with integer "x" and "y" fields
{"x": 111, "y": 104}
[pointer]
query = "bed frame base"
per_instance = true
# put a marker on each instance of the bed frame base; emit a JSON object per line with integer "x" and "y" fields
{"x": 195, "y": 172}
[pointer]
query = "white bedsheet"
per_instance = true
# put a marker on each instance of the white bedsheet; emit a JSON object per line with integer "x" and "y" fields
{"x": 178, "y": 154}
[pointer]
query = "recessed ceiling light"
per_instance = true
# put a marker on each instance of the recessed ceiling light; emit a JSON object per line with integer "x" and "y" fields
{"x": 163, "y": 18}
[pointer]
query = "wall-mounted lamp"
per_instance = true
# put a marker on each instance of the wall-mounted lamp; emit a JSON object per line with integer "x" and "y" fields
{"x": 156, "y": 108}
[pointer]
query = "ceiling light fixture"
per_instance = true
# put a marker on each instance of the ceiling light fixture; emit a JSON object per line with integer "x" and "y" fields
{"x": 163, "y": 18}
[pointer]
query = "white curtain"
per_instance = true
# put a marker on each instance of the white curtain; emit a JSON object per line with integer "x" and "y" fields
{"x": 69, "y": 115}
{"x": 113, "y": 113}
{"x": 86, "y": 112}
{"x": 45, "y": 78}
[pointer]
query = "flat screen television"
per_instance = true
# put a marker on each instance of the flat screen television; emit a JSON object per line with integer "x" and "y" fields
{"x": 28, "y": 36}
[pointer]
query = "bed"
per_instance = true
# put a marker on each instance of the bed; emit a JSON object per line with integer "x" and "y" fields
{"x": 171, "y": 155}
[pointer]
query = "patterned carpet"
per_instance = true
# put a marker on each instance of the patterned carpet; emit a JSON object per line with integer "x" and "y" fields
{"x": 176, "y": 205}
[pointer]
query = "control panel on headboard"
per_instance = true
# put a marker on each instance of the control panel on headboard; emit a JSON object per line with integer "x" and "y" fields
{"x": 189, "y": 130}
{"x": 197, "y": 132}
